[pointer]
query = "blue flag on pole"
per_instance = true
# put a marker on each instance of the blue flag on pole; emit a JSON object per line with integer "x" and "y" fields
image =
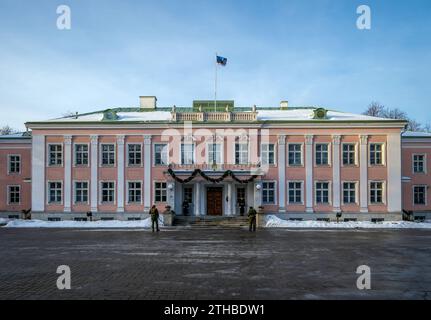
{"x": 221, "y": 60}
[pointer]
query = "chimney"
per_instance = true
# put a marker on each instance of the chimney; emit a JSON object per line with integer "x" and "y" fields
{"x": 283, "y": 105}
{"x": 148, "y": 102}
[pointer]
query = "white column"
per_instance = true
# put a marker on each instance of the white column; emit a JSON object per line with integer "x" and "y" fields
{"x": 67, "y": 173}
{"x": 394, "y": 195}
{"x": 281, "y": 163}
{"x": 197, "y": 199}
{"x": 120, "y": 173}
{"x": 309, "y": 173}
{"x": 147, "y": 173}
{"x": 363, "y": 164}
{"x": 230, "y": 188}
{"x": 94, "y": 172}
{"x": 336, "y": 183}
{"x": 257, "y": 195}
{"x": 171, "y": 194}
{"x": 38, "y": 173}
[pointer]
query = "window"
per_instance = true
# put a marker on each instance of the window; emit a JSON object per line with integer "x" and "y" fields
{"x": 187, "y": 153}
{"x": 214, "y": 153}
{"x": 419, "y": 194}
{"x": 160, "y": 154}
{"x": 81, "y": 192}
{"x": 349, "y": 192}
{"x": 188, "y": 194}
{"x": 14, "y": 194}
{"x": 322, "y": 192}
{"x": 14, "y": 163}
{"x": 160, "y": 192}
{"x": 418, "y": 163}
{"x": 241, "y": 153}
{"x": 268, "y": 192}
{"x": 134, "y": 154}
{"x": 376, "y": 154}
{"x": 376, "y": 192}
{"x": 54, "y": 192}
{"x": 268, "y": 154}
{"x": 322, "y": 156}
{"x": 295, "y": 192}
{"x": 134, "y": 192}
{"x": 108, "y": 154}
{"x": 349, "y": 157}
{"x": 55, "y": 154}
{"x": 108, "y": 191}
{"x": 81, "y": 154}
{"x": 295, "y": 156}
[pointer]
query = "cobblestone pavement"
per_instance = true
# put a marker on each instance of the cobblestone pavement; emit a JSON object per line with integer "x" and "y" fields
{"x": 189, "y": 263}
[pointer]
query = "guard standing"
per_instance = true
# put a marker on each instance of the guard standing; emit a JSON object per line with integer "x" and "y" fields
{"x": 154, "y": 218}
{"x": 252, "y": 219}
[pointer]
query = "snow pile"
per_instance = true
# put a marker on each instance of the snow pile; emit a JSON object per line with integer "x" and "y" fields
{"x": 3, "y": 221}
{"x": 82, "y": 224}
{"x": 275, "y": 222}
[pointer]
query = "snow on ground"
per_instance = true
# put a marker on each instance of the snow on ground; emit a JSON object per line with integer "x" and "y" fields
{"x": 4, "y": 221}
{"x": 81, "y": 224}
{"x": 275, "y": 222}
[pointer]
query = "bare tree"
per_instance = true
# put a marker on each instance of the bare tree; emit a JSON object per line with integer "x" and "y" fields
{"x": 375, "y": 109}
{"x": 6, "y": 130}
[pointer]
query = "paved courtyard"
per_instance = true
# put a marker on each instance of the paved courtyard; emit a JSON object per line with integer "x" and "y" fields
{"x": 189, "y": 263}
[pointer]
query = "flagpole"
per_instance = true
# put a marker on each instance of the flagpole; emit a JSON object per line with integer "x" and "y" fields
{"x": 215, "y": 86}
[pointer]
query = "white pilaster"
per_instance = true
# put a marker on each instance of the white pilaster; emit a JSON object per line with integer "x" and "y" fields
{"x": 197, "y": 199}
{"x": 257, "y": 194}
{"x": 394, "y": 195}
{"x": 120, "y": 173}
{"x": 147, "y": 173}
{"x": 230, "y": 188}
{"x": 38, "y": 173}
{"x": 94, "y": 172}
{"x": 171, "y": 194}
{"x": 281, "y": 163}
{"x": 363, "y": 164}
{"x": 67, "y": 173}
{"x": 309, "y": 173}
{"x": 336, "y": 183}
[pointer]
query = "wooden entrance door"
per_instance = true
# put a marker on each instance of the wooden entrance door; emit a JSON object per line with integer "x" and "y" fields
{"x": 215, "y": 201}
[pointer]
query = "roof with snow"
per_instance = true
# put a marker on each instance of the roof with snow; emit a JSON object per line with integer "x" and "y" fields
{"x": 416, "y": 134}
{"x": 16, "y": 135}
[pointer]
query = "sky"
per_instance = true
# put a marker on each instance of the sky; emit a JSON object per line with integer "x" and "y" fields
{"x": 307, "y": 52}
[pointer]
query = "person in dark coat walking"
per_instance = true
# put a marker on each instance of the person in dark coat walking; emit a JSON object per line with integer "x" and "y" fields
{"x": 252, "y": 219}
{"x": 154, "y": 218}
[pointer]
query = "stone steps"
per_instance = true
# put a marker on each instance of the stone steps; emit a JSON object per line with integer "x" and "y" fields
{"x": 210, "y": 221}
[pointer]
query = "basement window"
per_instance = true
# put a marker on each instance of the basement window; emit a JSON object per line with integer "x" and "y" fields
{"x": 133, "y": 218}
{"x": 295, "y": 219}
{"x": 54, "y": 219}
{"x": 79, "y": 219}
{"x": 13, "y": 216}
{"x": 350, "y": 219}
{"x": 420, "y": 218}
{"x": 106, "y": 218}
{"x": 375, "y": 220}
{"x": 323, "y": 219}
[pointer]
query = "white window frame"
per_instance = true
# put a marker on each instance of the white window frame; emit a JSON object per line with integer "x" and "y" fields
{"x": 128, "y": 195}
{"x": 74, "y": 192}
{"x": 128, "y": 155}
{"x": 193, "y": 155}
{"x": 167, "y": 154}
{"x": 329, "y": 151}
{"x": 48, "y": 192}
{"x": 101, "y": 155}
{"x": 302, "y": 192}
{"x": 329, "y": 193}
{"x": 356, "y": 158}
{"x": 356, "y": 193}
{"x": 383, "y": 154}
{"x": 424, "y": 163}
{"x": 275, "y": 202}
{"x": 75, "y": 157}
{"x": 101, "y": 202}
{"x": 9, "y": 192}
{"x": 267, "y": 152}
{"x": 154, "y": 191}
{"x": 383, "y": 193}
{"x": 425, "y": 195}
{"x": 9, "y": 161}
{"x": 48, "y": 154}
{"x": 209, "y": 148}
{"x": 301, "y": 154}
{"x": 246, "y": 143}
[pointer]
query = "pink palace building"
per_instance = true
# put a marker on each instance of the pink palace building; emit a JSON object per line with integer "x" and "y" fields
{"x": 216, "y": 159}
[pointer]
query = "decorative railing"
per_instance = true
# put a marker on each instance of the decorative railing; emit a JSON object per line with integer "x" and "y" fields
{"x": 214, "y": 116}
